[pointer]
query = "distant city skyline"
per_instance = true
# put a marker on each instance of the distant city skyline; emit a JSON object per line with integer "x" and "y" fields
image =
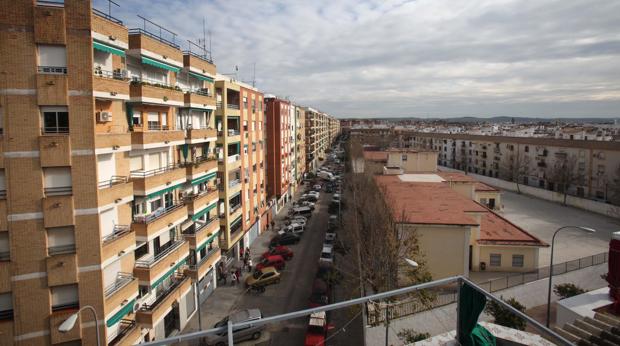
{"x": 412, "y": 58}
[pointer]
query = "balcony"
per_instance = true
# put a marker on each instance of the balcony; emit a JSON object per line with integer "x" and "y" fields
{"x": 198, "y": 270}
{"x": 110, "y": 84}
{"x": 199, "y": 63}
{"x": 149, "y": 314}
{"x": 201, "y": 98}
{"x": 108, "y": 26}
{"x": 126, "y": 334}
{"x": 150, "y": 91}
{"x": 156, "y": 136}
{"x": 111, "y": 142}
{"x": 150, "y": 268}
{"x": 233, "y": 209}
{"x": 114, "y": 190}
{"x": 159, "y": 178}
{"x": 232, "y": 106}
{"x": 167, "y": 49}
{"x": 200, "y": 135}
{"x": 114, "y": 244}
{"x": 197, "y": 202}
{"x": 197, "y": 234}
{"x": 147, "y": 225}
{"x": 119, "y": 291}
{"x": 201, "y": 165}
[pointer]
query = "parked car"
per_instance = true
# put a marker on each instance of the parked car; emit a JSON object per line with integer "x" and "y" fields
{"x": 327, "y": 254}
{"x": 317, "y": 329}
{"x": 309, "y": 197}
{"x": 280, "y": 250}
{"x": 284, "y": 239}
{"x": 330, "y": 238}
{"x": 239, "y": 334}
{"x": 263, "y": 277}
{"x": 297, "y": 221}
{"x": 314, "y": 193}
{"x": 336, "y": 196}
{"x": 303, "y": 211}
{"x": 275, "y": 261}
{"x": 317, "y": 187}
{"x": 293, "y": 228}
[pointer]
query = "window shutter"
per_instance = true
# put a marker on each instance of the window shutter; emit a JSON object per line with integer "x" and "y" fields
{"x": 50, "y": 55}
{"x": 64, "y": 295}
{"x": 60, "y": 236}
{"x": 57, "y": 177}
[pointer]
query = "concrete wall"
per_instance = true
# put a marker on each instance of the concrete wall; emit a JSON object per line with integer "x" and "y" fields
{"x": 443, "y": 319}
{"x": 581, "y": 203}
{"x": 530, "y": 258}
{"x": 445, "y": 248}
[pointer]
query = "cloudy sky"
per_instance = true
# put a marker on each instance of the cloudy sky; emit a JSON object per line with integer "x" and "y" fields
{"x": 436, "y": 58}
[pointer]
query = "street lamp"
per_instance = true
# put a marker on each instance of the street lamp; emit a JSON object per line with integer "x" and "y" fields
{"x": 415, "y": 266}
{"x": 69, "y": 323}
{"x": 580, "y": 228}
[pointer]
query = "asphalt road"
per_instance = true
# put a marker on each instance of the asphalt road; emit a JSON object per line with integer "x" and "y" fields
{"x": 293, "y": 291}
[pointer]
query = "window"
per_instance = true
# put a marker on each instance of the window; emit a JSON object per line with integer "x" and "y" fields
{"x": 52, "y": 59}
{"x": 527, "y": 149}
{"x": 60, "y": 240}
{"x": 496, "y": 260}
{"x": 55, "y": 120}
{"x": 2, "y": 184}
{"x": 1, "y": 121}
{"x": 404, "y": 157}
{"x": 5, "y": 247}
{"x": 6, "y": 306}
{"x": 517, "y": 261}
{"x": 57, "y": 181}
{"x": 137, "y": 118}
{"x": 65, "y": 297}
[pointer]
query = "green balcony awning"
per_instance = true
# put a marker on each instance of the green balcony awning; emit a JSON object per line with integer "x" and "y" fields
{"x": 204, "y": 211}
{"x": 105, "y": 48}
{"x": 201, "y": 77}
{"x": 203, "y": 179}
{"x": 208, "y": 241}
{"x": 159, "y": 64}
{"x": 170, "y": 272}
{"x": 237, "y": 220}
{"x": 121, "y": 313}
{"x": 161, "y": 192}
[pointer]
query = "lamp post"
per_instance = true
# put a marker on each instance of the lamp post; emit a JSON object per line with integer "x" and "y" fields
{"x": 581, "y": 228}
{"x": 69, "y": 323}
{"x": 415, "y": 266}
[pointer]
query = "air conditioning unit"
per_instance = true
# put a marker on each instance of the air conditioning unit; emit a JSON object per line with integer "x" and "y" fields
{"x": 104, "y": 116}
{"x": 135, "y": 307}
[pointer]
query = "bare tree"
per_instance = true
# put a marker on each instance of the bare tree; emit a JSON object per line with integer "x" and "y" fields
{"x": 515, "y": 167}
{"x": 565, "y": 173}
{"x": 614, "y": 193}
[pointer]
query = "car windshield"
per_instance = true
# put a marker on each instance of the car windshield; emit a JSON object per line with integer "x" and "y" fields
{"x": 257, "y": 274}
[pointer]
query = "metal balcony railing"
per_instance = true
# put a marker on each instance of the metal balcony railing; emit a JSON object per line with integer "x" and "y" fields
{"x": 118, "y": 231}
{"x": 114, "y": 180}
{"x": 153, "y": 172}
{"x": 176, "y": 281}
{"x": 234, "y": 182}
{"x": 205, "y": 258}
{"x": 61, "y": 249}
{"x": 107, "y": 16}
{"x": 122, "y": 280}
{"x": 55, "y": 130}
{"x": 155, "y": 37}
{"x": 148, "y": 263}
{"x": 158, "y": 213}
{"x": 232, "y": 106}
{"x": 116, "y": 74}
{"x": 234, "y": 208}
{"x": 191, "y": 231}
{"x": 138, "y": 80}
{"x": 58, "y": 191}
{"x": 124, "y": 327}
{"x": 52, "y": 69}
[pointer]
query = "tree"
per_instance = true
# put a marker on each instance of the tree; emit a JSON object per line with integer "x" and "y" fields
{"x": 515, "y": 167}
{"x": 565, "y": 173}
{"x": 614, "y": 193}
{"x": 505, "y": 317}
{"x": 567, "y": 290}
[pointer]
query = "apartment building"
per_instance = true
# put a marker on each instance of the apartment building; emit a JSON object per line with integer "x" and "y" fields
{"x": 279, "y": 147}
{"x": 595, "y": 165}
{"x": 108, "y": 177}
{"x": 321, "y": 130}
{"x": 241, "y": 165}
{"x": 300, "y": 143}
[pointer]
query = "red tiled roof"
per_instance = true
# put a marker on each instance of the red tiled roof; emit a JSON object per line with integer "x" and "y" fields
{"x": 456, "y": 176}
{"x": 427, "y": 203}
{"x": 484, "y": 187}
{"x": 495, "y": 230}
{"x": 380, "y": 156}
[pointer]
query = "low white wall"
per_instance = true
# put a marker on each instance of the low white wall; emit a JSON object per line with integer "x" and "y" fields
{"x": 577, "y": 202}
{"x": 443, "y": 319}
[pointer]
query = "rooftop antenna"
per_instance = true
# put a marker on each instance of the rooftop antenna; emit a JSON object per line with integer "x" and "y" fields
{"x": 254, "y": 75}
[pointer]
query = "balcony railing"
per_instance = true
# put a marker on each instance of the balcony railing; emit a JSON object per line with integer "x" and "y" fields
{"x": 123, "y": 329}
{"x": 122, "y": 279}
{"x": 233, "y": 132}
{"x": 6, "y": 314}
{"x": 158, "y": 127}
{"x": 234, "y": 182}
{"x": 137, "y": 80}
{"x": 52, "y": 69}
{"x": 147, "y": 263}
{"x": 119, "y": 231}
{"x": 5, "y": 255}
{"x": 153, "y": 172}
{"x": 201, "y": 92}
{"x": 204, "y": 258}
{"x": 176, "y": 281}
{"x": 194, "y": 230}
{"x": 158, "y": 213}
{"x": 61, "y": 249}
{"x": 114, "y": 180}
{"x": 107, "y": 16}
{"x": 116, "y": 74}
{"x": 58, "y": 191}
{"x": 232, "y": 106}
{"x": 155, "y": 37}
{"x": 218, "y": 104}
{"x": 234, "y": 208}
{"x": 55, "y": 130}
{"x": 192, "y": 196}
{"x": 198, "y": 160}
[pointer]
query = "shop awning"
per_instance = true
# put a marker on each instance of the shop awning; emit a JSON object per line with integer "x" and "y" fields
{"x": 105, "y": 48}
{"x": 121, "y": 313}
{"x": 201, "y": 77}
{"x": 161, "y": 192}
{"x": 204, "y": 211}
{"x": 208, "y": 241}
{"x": 159, "y": 64}
{"x": 203, "y": 179}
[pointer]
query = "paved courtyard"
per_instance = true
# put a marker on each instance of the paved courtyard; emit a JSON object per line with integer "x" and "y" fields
{"x": 542, "y": 218}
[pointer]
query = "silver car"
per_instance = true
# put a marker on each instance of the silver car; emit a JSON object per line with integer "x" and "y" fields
{"x": 250, "y": 332}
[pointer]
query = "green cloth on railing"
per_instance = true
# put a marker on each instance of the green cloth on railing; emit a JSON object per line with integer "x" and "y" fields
{"x": 481, "y": 336}
{"x": 470, "y": 305}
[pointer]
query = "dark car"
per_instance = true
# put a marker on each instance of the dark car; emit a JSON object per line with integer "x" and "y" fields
{"x": 281, "y": 250}
{"x": 284, "y": 239}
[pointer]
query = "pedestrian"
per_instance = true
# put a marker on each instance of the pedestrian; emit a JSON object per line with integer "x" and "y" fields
{"x": 245, "y": 262}
{"x": 273, "y": 224}
{"x": 249, "y": 265}
{"x": 241, "y": 253}
{"x": 233, "y": 278}
{"x": 224, "y": 277}
{"x": 247, "y": 252}
{"x": 238, "y": 274}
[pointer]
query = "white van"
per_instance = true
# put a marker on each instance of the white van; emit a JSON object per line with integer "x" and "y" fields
{"x": 303, "y": 211}
{"x": 327, "y": 255}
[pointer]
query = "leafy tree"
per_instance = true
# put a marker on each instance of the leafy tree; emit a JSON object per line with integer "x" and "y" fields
{"x": 567, "y": 290}
{"x": 505, "y": 317}
{"x": 410, "y": 336}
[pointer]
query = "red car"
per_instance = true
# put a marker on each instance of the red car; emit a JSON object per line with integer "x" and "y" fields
{"x": 317, "y": 329}
{"x": 275, "y": 261}
{"x": 280, "y": 250}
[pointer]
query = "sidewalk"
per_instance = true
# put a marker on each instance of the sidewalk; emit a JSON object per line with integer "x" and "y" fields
{"x": 225, "y": 298}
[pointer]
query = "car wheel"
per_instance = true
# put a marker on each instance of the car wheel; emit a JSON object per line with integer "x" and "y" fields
{"x": 256, "y": 336}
